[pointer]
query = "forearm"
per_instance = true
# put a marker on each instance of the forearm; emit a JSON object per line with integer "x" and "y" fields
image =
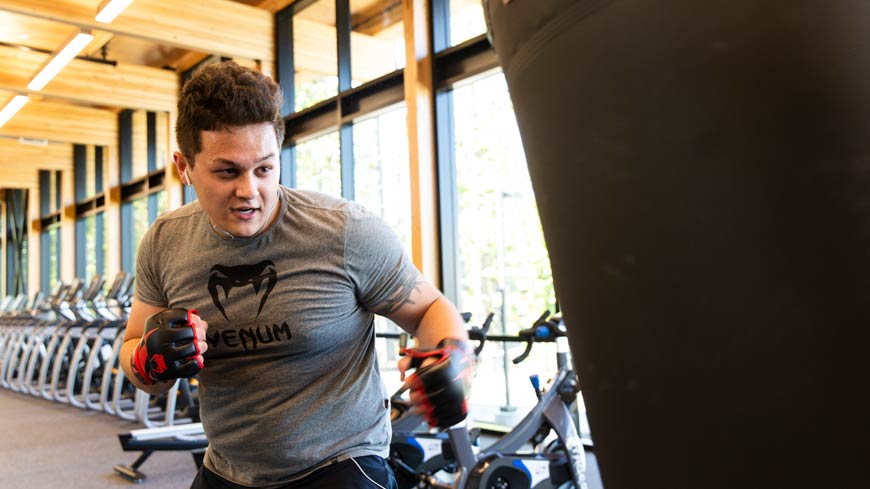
{"x": 441, "y": 320}
{"x": 127, "y": 350}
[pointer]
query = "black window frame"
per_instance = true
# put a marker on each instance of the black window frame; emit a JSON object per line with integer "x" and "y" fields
{"x": 135, "y": 188}
{"x": 86, "y": 206}
{"x": 451, "y": 65}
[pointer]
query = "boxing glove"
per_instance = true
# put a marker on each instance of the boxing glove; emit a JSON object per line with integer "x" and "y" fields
{"x": 442, "y": 384}
{"x": 168, "y": 349}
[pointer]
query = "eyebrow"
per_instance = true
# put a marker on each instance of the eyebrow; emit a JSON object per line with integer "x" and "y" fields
{"x": 223, "y": 161}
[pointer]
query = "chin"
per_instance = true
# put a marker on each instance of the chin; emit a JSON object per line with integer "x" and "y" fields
{"x": 246, "y": 231}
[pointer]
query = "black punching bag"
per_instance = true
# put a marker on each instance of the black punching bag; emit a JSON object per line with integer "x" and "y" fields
{"x": 702, "y": 170}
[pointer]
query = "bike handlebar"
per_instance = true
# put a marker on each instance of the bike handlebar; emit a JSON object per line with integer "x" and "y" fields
{"x": 545, "y": 329}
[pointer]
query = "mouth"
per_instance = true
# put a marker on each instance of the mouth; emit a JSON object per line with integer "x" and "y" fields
{"x": 245, "y": 213}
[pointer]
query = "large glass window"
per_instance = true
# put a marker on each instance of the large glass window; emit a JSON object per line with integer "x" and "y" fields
{"x": 318, "y": 164}
{"x": 466, "y": 20}
{"x": 91, "y": 260}
{"x": 16, "y": 241}
{"x": 87, "y": 171}
{"x": 314, "y": 54}
{"x": 503, "y": 261}
{"x": 382, "y": 185}
{"x": 137, "y": 215}
{"x": 51, "y": 257}
{"x": 377, "y": 39}
{"x": 49, "y": 209}
{"x": 381, "y": 171}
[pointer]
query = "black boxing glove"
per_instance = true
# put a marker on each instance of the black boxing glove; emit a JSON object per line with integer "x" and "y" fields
{"x": 443, "y": 383}
{"x": 168, "y": 349}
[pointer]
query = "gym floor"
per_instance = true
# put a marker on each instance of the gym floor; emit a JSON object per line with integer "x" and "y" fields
{"x": 47, "y": 445}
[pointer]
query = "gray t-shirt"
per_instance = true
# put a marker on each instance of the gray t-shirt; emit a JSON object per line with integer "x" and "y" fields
{"x": 291, "y": 379}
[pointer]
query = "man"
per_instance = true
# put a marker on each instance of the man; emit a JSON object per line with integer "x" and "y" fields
{"x": 289, "y": 280}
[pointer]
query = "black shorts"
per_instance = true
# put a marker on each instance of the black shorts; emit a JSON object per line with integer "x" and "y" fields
{"x": 369, "y": 472}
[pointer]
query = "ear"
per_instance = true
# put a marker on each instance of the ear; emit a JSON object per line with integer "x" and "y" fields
{"x": 182, "y": 165}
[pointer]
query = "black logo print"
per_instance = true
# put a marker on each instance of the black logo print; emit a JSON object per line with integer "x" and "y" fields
{"x": 229, "y": 278}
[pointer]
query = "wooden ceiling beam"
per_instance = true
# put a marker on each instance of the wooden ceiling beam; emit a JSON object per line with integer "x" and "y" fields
{"x": 274, "y": 6}
{"x": 244, "y": 31}
{"x": 92, "y": 83}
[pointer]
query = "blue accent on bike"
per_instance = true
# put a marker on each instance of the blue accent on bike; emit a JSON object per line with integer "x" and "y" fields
{"x": 542, "y": 332}
{"x": 413, "y": 442}
{"x": 520, "y": 465}
{"x": 536, "y": 382}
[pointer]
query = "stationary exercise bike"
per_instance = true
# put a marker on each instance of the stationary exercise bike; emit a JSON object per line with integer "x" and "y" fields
{"x": 412, "y": 450}
{"x": 559, "y": 464}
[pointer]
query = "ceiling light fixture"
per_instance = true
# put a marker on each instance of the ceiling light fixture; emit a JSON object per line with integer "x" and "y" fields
{"x": 61, "y": 59}
{"x": 109, "y": 9}
{"x": 12, "y": 107}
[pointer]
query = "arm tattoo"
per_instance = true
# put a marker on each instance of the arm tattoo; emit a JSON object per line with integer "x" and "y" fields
{"x": 409, "y": 283}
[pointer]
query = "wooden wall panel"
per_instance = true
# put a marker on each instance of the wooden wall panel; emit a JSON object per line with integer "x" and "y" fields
{"x": 14, "y": 155}
{"x": 20, "y": 178}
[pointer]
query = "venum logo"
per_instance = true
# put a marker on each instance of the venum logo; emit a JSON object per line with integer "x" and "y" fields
{"x": 249, "y": 338}
{"x": 229, "y": 278}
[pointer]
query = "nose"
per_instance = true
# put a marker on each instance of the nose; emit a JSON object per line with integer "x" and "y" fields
{"x": 247, "y": 186}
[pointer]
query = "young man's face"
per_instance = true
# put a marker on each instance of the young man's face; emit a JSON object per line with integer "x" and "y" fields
{"x": 236, "y": 177}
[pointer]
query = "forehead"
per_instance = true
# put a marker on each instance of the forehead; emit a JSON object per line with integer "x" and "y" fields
{"x": 240, "y": 143}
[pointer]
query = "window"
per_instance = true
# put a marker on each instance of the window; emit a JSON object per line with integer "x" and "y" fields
{"x": 140, "y": 141}
{"x": 377, "y": 39}
{"x": 382, "y": 181}
{"x": 491, "y": 230}
{"x": 503, "y": 266}
{"x": 314, "y": 54}
{"x": 91, "y": 246}
{"x": 466, "y": 20}
{"x": 143, "y": 137}
{"x": 49, "y": 211}
{"x": 51, "y": 257}
{"x": 136, "y": 216}
{"x": 318, "y": 164}
{"x": 16, "y": 241}
{"x": 381, "y": 171}
{"x": 88, "y": 164}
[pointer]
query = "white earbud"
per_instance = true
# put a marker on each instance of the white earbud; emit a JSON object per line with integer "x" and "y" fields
{"x": 186, "y": 180}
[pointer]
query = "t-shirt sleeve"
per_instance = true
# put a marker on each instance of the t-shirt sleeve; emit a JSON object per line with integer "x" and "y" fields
{"x": 376, "y": 262}
{"x": 148, "y": 288}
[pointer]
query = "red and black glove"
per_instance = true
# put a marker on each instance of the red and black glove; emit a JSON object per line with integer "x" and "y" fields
{"x": 442, "y": 384}
{"x": 168, "y": 349}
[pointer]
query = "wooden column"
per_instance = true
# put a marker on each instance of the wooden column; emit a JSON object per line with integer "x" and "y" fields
{"x": 3, "y": 275}
{"x": 67, "y": 229}
{"x": 34, "y": 243}
{"x": 420, "y": 100}
{"x": 172, "y": 181}
{"x": 112, "y": 212}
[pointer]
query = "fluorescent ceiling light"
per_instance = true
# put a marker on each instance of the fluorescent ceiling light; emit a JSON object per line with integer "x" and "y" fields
{"x": 61, "y": 59}
{"x": 12, "y": 107}
{"x": 109, "y": 9}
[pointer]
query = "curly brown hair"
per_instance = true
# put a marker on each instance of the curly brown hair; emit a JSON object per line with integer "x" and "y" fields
{"x": 225, "y": 95}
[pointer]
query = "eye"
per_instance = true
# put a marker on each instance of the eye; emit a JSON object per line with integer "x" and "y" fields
{"x": 265, "y": 170}
{"x": 227, "y": 172}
